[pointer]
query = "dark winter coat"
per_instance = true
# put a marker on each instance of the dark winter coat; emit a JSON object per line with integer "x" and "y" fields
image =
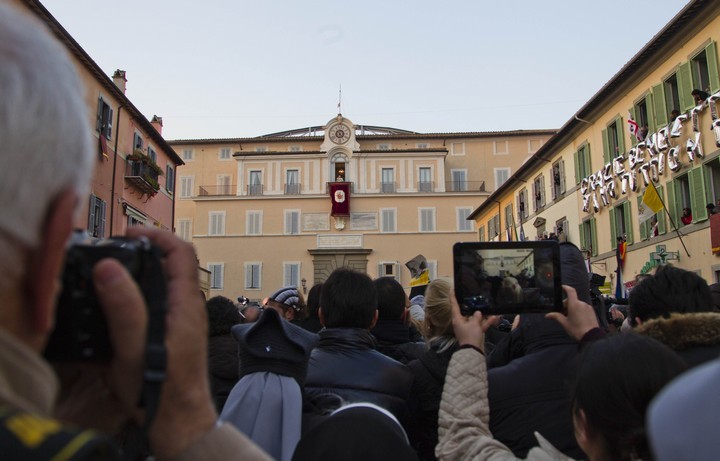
{"x": 429, "y": 371}
{"x": 396, "y": 340}
{"x": 223, "y": 367}
{"x": 695, "y": 337}
{"x": 345, "y": 363}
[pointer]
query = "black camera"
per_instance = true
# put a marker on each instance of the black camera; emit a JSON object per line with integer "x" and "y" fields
{"x": 81, "y": 332}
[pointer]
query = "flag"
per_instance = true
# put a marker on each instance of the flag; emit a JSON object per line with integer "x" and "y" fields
{"x": 620, "y": 252}
{"x": 632, "y": 126}
{"x": 103, "y": 146}
{"x": 508, "y": 234}
{"x": 522, "y": 233}
{"x": 420, "y": 280}
{"x": 340, "y": 197}
{"x": 651, "y": 203}
{"x": 620, "y": 291}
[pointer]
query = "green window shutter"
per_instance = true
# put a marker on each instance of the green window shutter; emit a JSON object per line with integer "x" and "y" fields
{"x": 642, "y": 225}
{"x": 613, "y": 229}
{"x": 633, "y": 138}
{"x": 588, "y": 157}
{"x": 684, "y": 79}
{"x": 593, "y": 237}
{"x": 650, "y": 105}
{"x": 606, "y": 147}
{"x": 577, "y": 156}
{"x": 670, "y": 203}
{"x": 661, "y": 214}
{"x": 581, "y": 233}
{"x": 661, "y": 114}
{"x": 620, "y": 135}
{"x": 698, "y": 199}
{"x": 712, "y": 62}
{"x": 627, "y": 214}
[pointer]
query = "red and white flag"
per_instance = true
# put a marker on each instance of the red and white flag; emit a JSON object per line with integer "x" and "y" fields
{"x": 632, "y": 126}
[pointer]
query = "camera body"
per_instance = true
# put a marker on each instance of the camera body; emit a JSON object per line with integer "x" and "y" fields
{"x": 81, "y": 331}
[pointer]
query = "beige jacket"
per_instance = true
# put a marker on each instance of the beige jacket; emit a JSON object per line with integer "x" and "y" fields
{"x": 464, "y": 417}
{"x": 27, "y": 383}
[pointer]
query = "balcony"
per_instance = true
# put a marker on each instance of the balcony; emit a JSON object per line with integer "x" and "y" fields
{"x": 217, "y": 191}
{"x": 255, "y": 189}
{"x": 425, "y": 186}
{"x": 142, "y": 173}
{"x": 465, "y": 186}
{"x": 292, "y": 189}
{"x": 387, "y": 187}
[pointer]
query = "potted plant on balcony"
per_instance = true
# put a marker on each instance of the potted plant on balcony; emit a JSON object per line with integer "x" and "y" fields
{"x": 148, "y": 170}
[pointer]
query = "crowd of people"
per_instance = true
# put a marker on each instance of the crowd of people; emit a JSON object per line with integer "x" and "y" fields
{"x": 361, "y": 370}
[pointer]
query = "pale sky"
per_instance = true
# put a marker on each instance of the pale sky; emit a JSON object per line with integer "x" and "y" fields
{"x": 233, "y": 68}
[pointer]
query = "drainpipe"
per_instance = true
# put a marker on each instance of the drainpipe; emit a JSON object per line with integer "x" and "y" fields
{"x": 112, "y": 190}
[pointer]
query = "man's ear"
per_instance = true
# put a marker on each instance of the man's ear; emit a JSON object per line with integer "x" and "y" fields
{"x": 42, "y": 278}
{"x": 374, "y": 320}
{"x": 321, "y": 316}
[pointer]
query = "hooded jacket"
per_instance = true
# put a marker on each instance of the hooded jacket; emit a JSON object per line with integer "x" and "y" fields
{"x": 694, "y": 336}
{"x": 398, "y": 340}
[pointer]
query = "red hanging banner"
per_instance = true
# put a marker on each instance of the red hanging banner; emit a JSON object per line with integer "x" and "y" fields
{"x": 340, "y": 198}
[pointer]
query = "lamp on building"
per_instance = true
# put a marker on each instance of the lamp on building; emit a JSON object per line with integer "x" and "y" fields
{"x": 304, "y": 285}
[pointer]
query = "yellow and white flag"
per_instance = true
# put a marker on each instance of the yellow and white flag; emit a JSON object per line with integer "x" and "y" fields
{"x": 651, "y": 203}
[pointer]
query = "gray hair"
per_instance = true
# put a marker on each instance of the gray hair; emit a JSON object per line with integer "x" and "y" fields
{"x": 45, "y": 142}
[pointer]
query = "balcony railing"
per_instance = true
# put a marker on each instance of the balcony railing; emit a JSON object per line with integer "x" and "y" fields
{"x": 143, "y": 176}
{"x": 425, "y": 186}
{"x": 255, "y": 189}
{"x": 465, "y": 186}
{"x": 218, "y": 190}
{"x": 387, "y": 187}
{"x": 292, "y": 189}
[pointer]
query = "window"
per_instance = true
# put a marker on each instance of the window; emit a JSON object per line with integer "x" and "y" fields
{"x": 225, "y": 153}
{"x": 425, "y": 179}
{"x": 689, "y": 191}
{"x": 96, "y": 217}
{"x": 457, "y": 148}
{"x": 422, "y": 145}
{"x": 216, "y": 225}
{"x": 463, "y": 225}
{"x": 152, "y": 154}
{"x": 558, "y": 179}
{"x": 704, "y": 69}
{"x": 388, "y": 222}
{"x": 621, "y": 223}
{"x": 384, "y": 146}
{"x": 389, "y": 269}
{"x": 677, "y": 88}
{"x": 253, "y": 220}
{"x": 500, "y": 148}
{"x": 295, "y": 149}
{"x": 138, "y": 142}
{"x": 588, "y": 236}
{"x": 292, "y": 182}
{"x": 712, "y": 175}
{"x": 255, "y": 185}
{"x": 432, "y": 269}
{"x": 104, "y": 119}
{"x": 494, "y": 227}
{"x": 640, "y": 112}
{"x": 387, "y": 176}
{"x": 186, "y": 186}
{"x": 501, "y": 175}
{"x": 169, "y": 178}
{"x": 613, "y": 140}
{"x": 534, "y": 145}
{"x": 224, "y": 184}
{"x": 187, "y": 155}
{"x": 481, "y": 233}
{"x": 583, "y": 168}
{"x": 216, "y": 275}
{"x": 253, "y": 276}
{"x": 261, "y": 149}
{"x": 523, "y": 205}
{"x": 291, "y": 274}
{"x": 538, "y": 193}
{"x": 427, "y": 219}
{"x": 509, "y": 219}
{"x": 184, "y": 229}
{"x": 459, "y": 180}
{"x": 292, "y": 222}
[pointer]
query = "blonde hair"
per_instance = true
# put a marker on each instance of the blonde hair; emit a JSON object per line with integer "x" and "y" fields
{"x": 438, "y": 311}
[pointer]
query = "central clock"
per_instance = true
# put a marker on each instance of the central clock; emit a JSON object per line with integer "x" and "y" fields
{"x": 339, "y": 134}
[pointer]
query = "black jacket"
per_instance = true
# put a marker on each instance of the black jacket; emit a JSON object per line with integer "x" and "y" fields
{"x": 345, "y": 363}
{"x": 223, "y": 366}
{"x": 398, "y": 341}
{"x": 429, "y": 371}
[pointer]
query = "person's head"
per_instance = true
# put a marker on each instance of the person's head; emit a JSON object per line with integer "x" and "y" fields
{"x": 674, "y": 114}
{"x": 45, "y": 169}
{"x": 438, "y": 311}
{"x": 616, "y": 379}
{"x": 222, "y": 315}
{"x": 710, "y": 208}
{"x": 288, "y": 302}
{"x": 699, "y": 95}
{"x": 392, "y": 300}
{"x": 348, "y": 299}
{"x": 671, "y": 289}
{"x": 313, "y": 300}
{"x": 686, "y": 211}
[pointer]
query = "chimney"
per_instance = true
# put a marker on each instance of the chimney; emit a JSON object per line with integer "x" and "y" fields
{"x": 119, "y": 79}
{"x": 157, "y": 123}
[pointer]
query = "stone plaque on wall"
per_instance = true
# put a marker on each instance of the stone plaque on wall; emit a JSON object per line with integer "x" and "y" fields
{"x": 339, "y": 241}
{"x": 363, "y": 221}
{"x": 315, "y": 222}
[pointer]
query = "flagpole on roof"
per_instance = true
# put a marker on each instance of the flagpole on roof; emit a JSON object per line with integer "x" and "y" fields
{"x": 670, "y": 218}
